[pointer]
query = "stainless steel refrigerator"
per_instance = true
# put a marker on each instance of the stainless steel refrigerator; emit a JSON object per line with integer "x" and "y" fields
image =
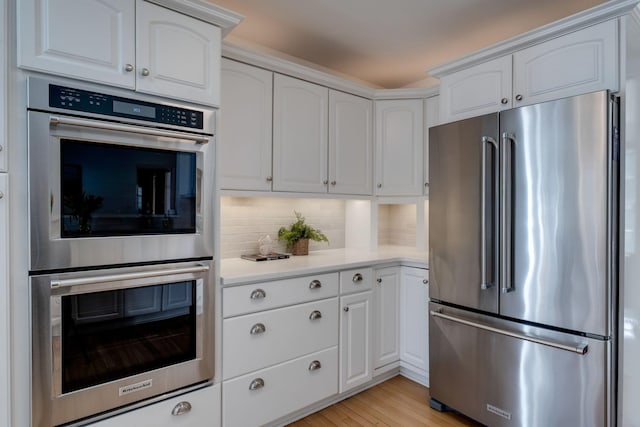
{"x": 523, "y": 262}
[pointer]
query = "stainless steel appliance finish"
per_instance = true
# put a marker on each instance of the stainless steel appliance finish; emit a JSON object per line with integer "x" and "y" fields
{"x": 51, "y": 403}
{"x": 52, "y": 125}
{"x": 523, "y": 227}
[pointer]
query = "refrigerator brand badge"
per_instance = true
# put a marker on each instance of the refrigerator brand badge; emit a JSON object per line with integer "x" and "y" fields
{"x": 132, "y": 388}
{"x": 499, "y": 412}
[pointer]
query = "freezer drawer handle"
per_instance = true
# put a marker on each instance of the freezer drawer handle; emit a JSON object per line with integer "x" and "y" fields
{"x": 579, "y": 349}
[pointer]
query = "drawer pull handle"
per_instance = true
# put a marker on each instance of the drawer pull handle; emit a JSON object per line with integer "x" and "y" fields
{"x": 315, "y": 284}
{"x": 256, "y": 384}
{"x": 258, "y": 328}
{"x": 315, "y": 314}
{"x": 181, "y": 408}
{"x": 357, "y": 278}
{"x": 258, "y": 294}
{"x": 315, "y": 365}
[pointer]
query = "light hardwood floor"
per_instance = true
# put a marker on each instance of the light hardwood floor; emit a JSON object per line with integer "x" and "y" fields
{"x": 396, "y": 402}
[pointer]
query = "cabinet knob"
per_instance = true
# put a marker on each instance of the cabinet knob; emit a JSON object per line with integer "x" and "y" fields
{"x": 269, "y": 178}
{"x": 357, "y": 278}
{"x": 1, "y": 194}
{"x": 0, "y": 147}
{"x": 315, "y": 284}
{"x": 315, "y": 365}
{"x": 379, "y": 185}
{"x": 379, "y": 280}
{"x": 425, "y": 281}
{"x": 256, "y": 384}
{"x": 426, "y": 184}
{"x": 346, "y": 309}
{"x": 145, "y": 72}
{"x": 258, "y": 328}
{"x": 128, "y": 68}
{"x": 333, "y": 183}
{"x": 258, "y": 294}
{"x": 325, "y": 182}
{"x": 504, "y": 101}
{"x": 518, "y": 97}
{"x": 315, "y": 314}
{"x": 181, "y": 408}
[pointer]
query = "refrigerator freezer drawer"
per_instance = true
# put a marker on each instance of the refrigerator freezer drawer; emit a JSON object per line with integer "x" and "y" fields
{"x": 502, "y": 373}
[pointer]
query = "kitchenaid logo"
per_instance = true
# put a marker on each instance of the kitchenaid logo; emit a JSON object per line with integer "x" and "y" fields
{"x": 499, "y": 412}
{"x": 132, "y": 388}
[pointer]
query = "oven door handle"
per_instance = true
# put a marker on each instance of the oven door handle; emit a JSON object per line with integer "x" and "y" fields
{"x": 55, "y": 121}
{"x": 65, "y": 283}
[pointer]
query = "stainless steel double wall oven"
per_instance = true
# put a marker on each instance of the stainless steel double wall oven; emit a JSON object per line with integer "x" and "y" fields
{"x": 121, "y": 272}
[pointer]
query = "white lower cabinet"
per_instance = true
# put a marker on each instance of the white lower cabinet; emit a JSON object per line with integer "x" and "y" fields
{"x": 204, "y": 412}
{"x": 414, "y": 321}
{"x": 266, "y": 395}
{"x": 5, "y": 392}
{"x": 356, "y": 365}
{"x": 261, "y": 339}
{"x": 387, "y": 317}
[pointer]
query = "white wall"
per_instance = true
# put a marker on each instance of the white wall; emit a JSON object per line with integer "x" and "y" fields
{"x": 397, "y": 225}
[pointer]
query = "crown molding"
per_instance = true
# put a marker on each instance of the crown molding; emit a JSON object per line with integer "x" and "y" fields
{"x": 406, "y": 93}
{"x": 205, "y": 11}
{"x": 597, "y": 14}
{"x": 635, "y": 15}
{"x": 303, "y": 72}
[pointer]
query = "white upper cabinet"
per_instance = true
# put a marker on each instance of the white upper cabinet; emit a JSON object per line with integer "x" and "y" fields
{"x": 300, "y": 127}
{"x": 579, "y": 62}
{"x": 244, "y": 137}
{"x": 399, "y": 147}
{"x": 482, "y": 89}
{"x": 431, "y": 114}
{"x": 350, "y": 144}
{"x": 135, "y": 45}
{"x": 176, "y": 55}
{"x": 91, "y": 39}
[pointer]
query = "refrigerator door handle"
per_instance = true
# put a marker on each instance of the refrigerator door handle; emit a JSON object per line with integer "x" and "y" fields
{"x": 506, "y": 202}
{"x": 580, "y": 349}
{"x": 485, "y": 283}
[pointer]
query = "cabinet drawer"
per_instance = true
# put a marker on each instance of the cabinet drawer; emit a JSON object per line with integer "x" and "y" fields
{"x": 266, "y": 395}
{"x": 356, "y": 280}
{"x": 264, "y": 296}
{"x": 258, "y": 340}
{"x": 205, "y": 404}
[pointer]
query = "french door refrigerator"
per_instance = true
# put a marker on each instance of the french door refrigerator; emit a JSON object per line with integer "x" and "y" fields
{"x": 523, "y": 264}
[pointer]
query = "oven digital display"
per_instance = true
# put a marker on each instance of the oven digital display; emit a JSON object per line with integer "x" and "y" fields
{"x": 134, "y": 109}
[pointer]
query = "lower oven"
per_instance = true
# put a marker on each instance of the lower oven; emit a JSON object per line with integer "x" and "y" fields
{"x": 106, "y": 339}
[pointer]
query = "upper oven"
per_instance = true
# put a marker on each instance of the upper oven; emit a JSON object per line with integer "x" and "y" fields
{"x": 115, "y": 179}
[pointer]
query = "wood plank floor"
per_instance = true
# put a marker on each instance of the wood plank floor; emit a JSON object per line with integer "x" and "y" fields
{"x": 396, "y": 402}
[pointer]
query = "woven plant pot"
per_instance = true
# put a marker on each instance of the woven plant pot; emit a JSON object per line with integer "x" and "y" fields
{"x": 300, "y": 247}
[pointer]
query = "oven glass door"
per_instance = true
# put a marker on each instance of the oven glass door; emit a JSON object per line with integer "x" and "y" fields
{"x": 119, "y": 190}
{"x": 116, "y": 334}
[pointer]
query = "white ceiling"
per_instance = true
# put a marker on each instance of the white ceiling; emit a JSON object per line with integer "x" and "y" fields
{"x": 388, "y": 43}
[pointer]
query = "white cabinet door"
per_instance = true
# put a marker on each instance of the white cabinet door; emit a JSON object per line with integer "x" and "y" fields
{"x": 580, "y": 62}
{"x": 177, "y": 56}
{"x": 478, "y": 90}
{"x": 399, "y": 146}
{"x": 355, "y": 340}
{"x": 299, "y": 135}
{"x": 414, "y": 319}
{"x": 432, "y": 113}
{"x": 387, "y": 317}
{"x": 3, "y": 88}
{"x": 350, "y": 144}
{"x": 205, "y": 410}
{"x": 244, "y": 137}
{"x": 4, "y": 300}
{"x": 90, "y": 39}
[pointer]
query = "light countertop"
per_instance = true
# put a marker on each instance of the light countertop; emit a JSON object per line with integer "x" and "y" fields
{"x": 236, "y": 271}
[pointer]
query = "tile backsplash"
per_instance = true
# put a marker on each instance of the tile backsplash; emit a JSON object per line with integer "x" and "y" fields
{"x": 397, "y": 225}
{"x": 244, "y": 220}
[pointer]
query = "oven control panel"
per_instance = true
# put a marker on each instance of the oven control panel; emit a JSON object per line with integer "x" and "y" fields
{"x": 109, "y": 105}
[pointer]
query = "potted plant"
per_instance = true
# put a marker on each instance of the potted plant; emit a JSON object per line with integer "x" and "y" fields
{"x": 298, "y": 234}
